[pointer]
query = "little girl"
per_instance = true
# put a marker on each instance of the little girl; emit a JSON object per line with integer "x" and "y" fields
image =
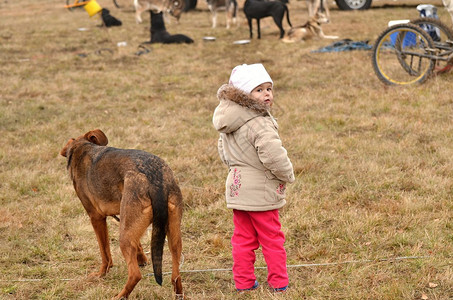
{"x": 259, "y": 169}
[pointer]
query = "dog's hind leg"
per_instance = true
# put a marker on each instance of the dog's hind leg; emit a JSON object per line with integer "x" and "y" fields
{"x": 130, "y": 234}
{"x": 235, "y": 12}
{"x": 229, "y": 17}
{"x": 100, "y": 228}
{"x": 278, "y": 21}
{"x": 249, "y": 20}
{"x": 280, "y": 26}
{"x": 136, "y": 214}
{"x": 174, "y": 238}
{"x": 230, "y": 13}
{"x": 258, "y": 27}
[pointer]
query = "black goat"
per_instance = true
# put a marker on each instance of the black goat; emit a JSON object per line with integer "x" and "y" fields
{"x": 256, "y": 9}
{"x": 159, "y": 33}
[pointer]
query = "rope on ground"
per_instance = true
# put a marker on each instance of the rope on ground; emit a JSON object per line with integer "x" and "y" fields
{"x": 394, "y": 259}
{"x": 307, "y": 265}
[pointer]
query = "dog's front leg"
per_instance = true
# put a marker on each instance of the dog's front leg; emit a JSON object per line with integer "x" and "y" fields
{"x": 326, "y": 8}
{"x": 310, "y": 8}
{"x": 100, "y": 228}
{"x": 214, "y": 19}
{"x": 138, "y": 17}
{"x": 323, "y": 36}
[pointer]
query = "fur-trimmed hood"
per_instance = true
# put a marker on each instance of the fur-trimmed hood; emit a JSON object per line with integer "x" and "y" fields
{"x": 235, "y": 109}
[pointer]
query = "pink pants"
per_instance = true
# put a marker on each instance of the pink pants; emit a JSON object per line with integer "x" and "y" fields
{"x": 252, "y": 229}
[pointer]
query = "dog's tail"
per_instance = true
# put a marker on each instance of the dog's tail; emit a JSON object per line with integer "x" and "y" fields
{"x": 287, "y": 16}
{"x": 160, "y": 219}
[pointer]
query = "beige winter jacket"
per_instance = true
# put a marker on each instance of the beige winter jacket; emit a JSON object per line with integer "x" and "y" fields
{"x": 249, "y": 145}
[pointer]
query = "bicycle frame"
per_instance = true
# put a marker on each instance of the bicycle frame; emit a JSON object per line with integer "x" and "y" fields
{"x": 430, "y": 56}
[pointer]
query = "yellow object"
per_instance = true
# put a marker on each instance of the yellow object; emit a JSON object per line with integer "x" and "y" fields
{"x": 92, "y": 8}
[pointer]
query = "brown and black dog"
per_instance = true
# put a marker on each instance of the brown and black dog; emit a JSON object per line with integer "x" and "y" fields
{"x": 141, "y": 189}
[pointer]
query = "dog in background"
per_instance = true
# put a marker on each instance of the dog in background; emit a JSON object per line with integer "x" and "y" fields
{"x": 108, "y": 20}
{"x": 141, "y": 189}
{"x": 319, "y": 9}
{"x": 311, "y": 29}
{"x": 159, "y": 33}
{"x": 256, "y": 9}
{"x": 173, "y": 7}
{"x": 230, "y": 6}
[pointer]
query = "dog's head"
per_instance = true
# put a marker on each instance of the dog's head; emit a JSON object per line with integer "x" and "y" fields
{"x": 95, "y": 136}
{"x": 321, "y": 17}
{"x": 176, "y": 8}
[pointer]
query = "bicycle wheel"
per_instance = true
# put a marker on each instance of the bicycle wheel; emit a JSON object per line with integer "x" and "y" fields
{"x": 440, "y": 33}
{"x": 402, "y": 55}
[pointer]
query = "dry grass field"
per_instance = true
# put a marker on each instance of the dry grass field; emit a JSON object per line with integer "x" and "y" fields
{"x": 370, "y": 215}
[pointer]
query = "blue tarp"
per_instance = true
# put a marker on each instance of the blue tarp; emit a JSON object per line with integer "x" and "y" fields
{"x": 345, "y": 45}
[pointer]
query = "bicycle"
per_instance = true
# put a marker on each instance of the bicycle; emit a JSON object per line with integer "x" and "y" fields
{"x": 410, "y": 53}
{"x": 73, "y": 4}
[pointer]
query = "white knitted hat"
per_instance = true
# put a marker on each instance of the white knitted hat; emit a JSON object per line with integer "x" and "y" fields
{"x": 247, "y": 77}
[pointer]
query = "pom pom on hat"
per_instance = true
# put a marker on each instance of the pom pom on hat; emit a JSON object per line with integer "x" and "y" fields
{"x": 247, "y": 77}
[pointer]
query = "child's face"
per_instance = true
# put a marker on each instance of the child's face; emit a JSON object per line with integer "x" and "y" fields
{"x": 264, "y": 93}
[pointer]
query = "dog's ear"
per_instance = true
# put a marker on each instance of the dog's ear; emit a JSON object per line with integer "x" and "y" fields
{"x": 64, "y": 151}
{"x": 97, "y": 137}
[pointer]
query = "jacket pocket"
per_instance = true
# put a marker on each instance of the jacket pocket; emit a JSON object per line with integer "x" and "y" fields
{"x": 275, "y": 190}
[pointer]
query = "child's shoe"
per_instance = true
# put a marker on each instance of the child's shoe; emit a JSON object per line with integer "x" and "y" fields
{"x": 254, "y": 287}
{"x": 280, "y": 290}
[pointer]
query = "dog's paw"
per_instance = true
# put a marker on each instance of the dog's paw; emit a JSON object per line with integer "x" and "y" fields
{"x": 95, "y": 275}
{"x": 100, "y": 273}
{"x": 142, "y": 259}
{"x": 288, "y": 41}
{"x": 94, "y": 278}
